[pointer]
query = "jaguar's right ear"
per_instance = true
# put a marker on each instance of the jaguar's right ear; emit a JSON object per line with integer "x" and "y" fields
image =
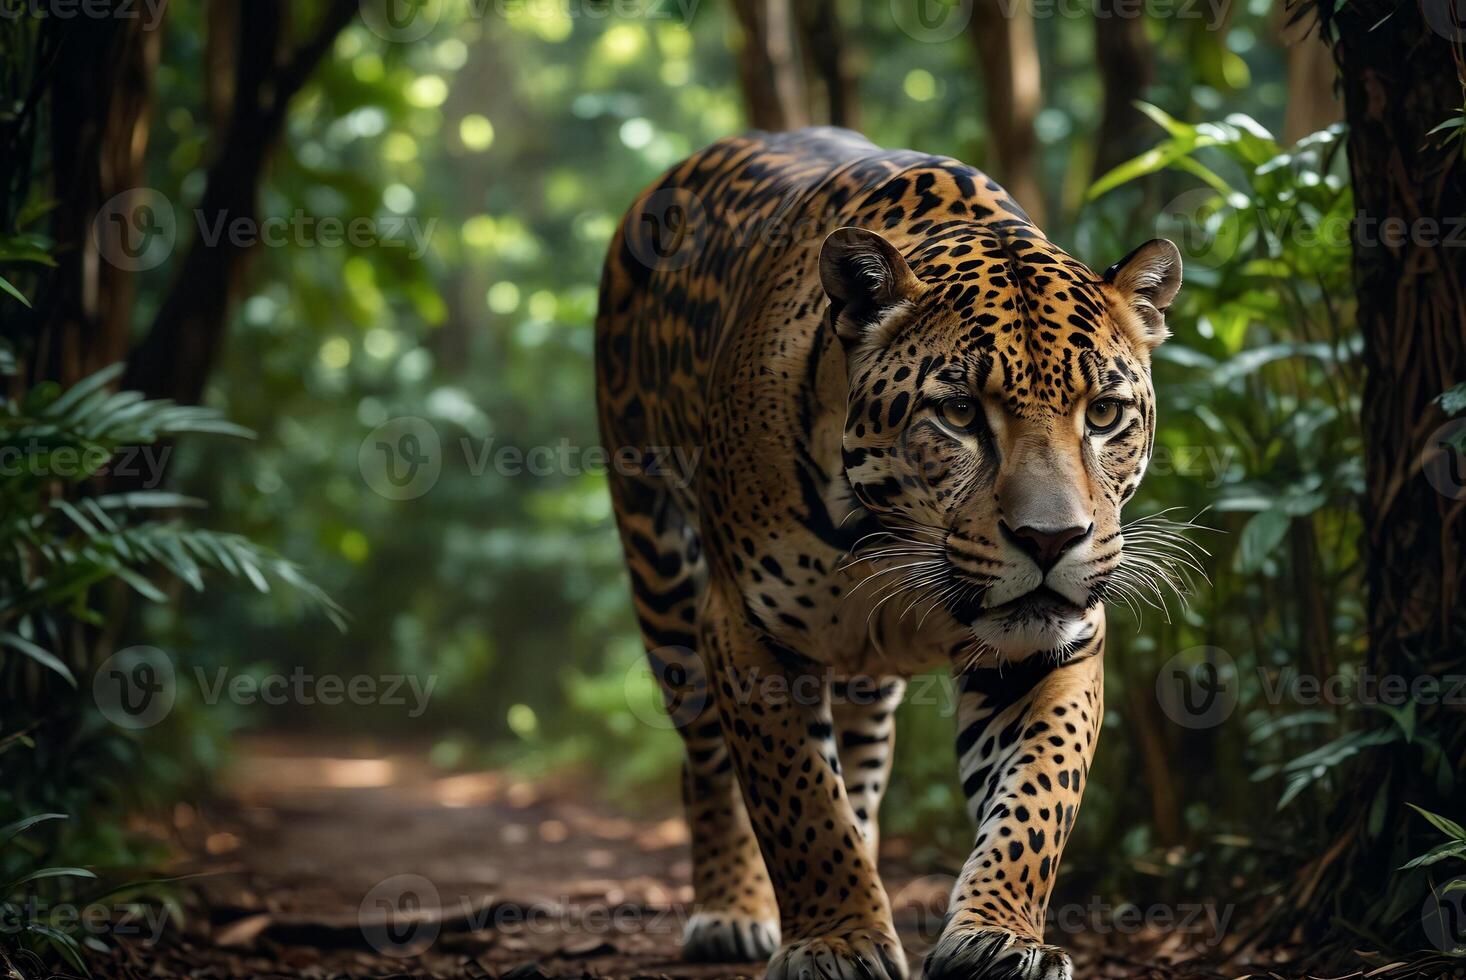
{"x": 870, "y": 286}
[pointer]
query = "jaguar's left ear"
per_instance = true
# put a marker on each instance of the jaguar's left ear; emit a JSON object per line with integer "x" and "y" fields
{"x": 1147, "y": 280}
{"x": 869, "y": 284}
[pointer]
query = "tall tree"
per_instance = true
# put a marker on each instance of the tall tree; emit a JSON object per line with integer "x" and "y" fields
{"x": 93, "y": 84}
{"x": 100, "y": 107}
{"x": 174, "y": 359}
{"x": 1007, "y": 58}
{"x": 1126, "y": 65}
{"x": 768, "y": 65}
{"x": 825, "y": 45}
{"x": 1402, "y": 77}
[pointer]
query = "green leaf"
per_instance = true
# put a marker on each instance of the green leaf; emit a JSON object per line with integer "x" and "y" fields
{"x": 1161, "y": 118}
{"x": 135, "y": 886}
{"x": 1210, "y": 177}
{"x": 43, "y": 873}
{"x": 1455, "y": 122}
{"x": 213, "y": 427}
{"x": 1152, "y": 160}
{"x": 34, "y": 209}
{"x": 1260, "y": 538}
{"x": 1296, "y": 784}
{"x": 1453, "y": 400}
{"x": 20, "y": 826}
{"x": 148, "y": 500}
{"x": 84, "y": 388}
{"x": 139, "y": 584}
{"x": 1444, "y": 824}
{"x": 1325, "y": 757}
{"x": 7, "y": 287}
{"x": 1403, "y": 716}
{"x": 1378, "y": 810}
{"x": 1297, "y": 719}
{"x": 28, "y": 248}
{"x": 1250, "y": 361}
{"x": 40, "y": 655}
{"x": 1303, "y": 504}
{"x": 86, "y": 526}
{"x": 1249, "y": 127}
{"x": 66, "y": 945}
{"x": 1450, "y": 849}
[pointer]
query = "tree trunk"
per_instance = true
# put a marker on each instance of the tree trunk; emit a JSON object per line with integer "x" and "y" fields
{"x": 1311, "y": 103}
{"x": 175, "y": 358}
{"x": 1007, "y": 56}
{"x": 826, "y": 50}
{"x": 1401, "y": 78}
{"x": 101, "y": 101}
{"x": 1123, "y": 55}
{"x": 768, "y": 66}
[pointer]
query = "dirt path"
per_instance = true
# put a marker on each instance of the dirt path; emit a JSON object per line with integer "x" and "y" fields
{"x": 340, "y": 861}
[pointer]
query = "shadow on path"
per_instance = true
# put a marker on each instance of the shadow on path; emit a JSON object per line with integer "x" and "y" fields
{"x": 327, "y": 859}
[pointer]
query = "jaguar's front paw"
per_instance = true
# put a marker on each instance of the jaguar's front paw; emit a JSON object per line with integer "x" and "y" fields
{"x": 994, "y": 954}
{"x": 729, "y": 937}
{"x": 863, "y": 954}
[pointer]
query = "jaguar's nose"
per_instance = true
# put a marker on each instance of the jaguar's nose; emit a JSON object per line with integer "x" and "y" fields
{"x": 1046, "y": 545}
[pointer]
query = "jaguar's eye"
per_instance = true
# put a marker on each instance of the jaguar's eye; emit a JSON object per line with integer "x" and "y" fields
{"x": 1104, "y": 414}
{"x": 958, "y": 414}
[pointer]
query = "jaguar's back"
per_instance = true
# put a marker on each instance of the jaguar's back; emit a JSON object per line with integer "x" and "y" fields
{"x": 730, "y": 231}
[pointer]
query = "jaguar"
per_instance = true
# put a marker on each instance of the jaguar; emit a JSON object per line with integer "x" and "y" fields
{"x": 915, "y": 421}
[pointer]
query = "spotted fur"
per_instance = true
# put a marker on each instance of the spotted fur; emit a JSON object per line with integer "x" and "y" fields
{"x": 915, "y": 421}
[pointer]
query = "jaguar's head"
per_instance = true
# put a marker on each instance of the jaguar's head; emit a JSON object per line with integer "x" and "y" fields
{"x": 1000, "y": 414}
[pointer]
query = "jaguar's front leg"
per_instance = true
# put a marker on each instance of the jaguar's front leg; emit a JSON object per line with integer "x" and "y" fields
{"x": 776, "y": 718}
{"x": 1026, "y": 737}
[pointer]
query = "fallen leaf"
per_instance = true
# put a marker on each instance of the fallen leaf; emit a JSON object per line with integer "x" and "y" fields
{"x": 243, "y": 932}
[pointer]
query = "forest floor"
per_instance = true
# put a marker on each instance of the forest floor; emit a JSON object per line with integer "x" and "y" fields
{"x": 327, "y": 860}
